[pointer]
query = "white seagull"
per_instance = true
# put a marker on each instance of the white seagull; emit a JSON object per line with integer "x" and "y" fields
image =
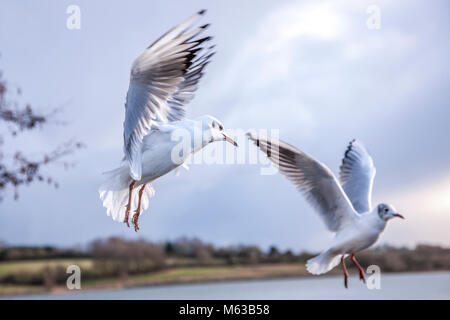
{"x": 163, "y": 79}
{"x": 345, "y": 207}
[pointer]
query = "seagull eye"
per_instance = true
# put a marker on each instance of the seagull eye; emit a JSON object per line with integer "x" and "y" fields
{"x": 386, "y": 210}
{"x": 220, "y": 127}
{"x": 213, "y": 124}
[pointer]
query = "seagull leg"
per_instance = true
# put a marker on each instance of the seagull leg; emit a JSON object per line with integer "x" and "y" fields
{"x": 138, "y": 210}
{"x": 361, "y": 270}
{"x": 345, "y": 272}
{"x": 128, "y": 206}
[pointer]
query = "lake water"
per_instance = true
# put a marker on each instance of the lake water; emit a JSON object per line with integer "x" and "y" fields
{"x": 435, "y": 285}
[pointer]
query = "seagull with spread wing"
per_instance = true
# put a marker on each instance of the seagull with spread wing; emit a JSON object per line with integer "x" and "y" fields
{"x": 344, "y": 206}
{"x": 163, "y": 80}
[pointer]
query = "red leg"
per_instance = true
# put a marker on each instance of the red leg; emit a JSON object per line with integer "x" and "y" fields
{"x": 345, "y": 272}
{"x": 128, "y": 207}
{"x": 138, "y": 210}
{"x": 361, "y": 270}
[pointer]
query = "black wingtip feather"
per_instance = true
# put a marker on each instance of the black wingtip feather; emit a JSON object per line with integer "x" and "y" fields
{"x": 205, "y": 26}
{"x": 349, "y": 148}
{"x": 202, "y": 12}
{"x": 200, "y": 41}
{"x": 208, "y": 38}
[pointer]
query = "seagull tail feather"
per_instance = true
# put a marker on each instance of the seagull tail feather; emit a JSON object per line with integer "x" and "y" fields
{"x": 114, "y": 193}
{"x": 323, "y": 263}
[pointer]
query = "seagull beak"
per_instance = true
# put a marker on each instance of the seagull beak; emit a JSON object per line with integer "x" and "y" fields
{"x": 398, "y": 215}
{"x": 228, "y": 139}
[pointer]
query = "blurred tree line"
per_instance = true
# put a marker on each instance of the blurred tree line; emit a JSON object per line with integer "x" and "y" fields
{"x": 117, "y": 257}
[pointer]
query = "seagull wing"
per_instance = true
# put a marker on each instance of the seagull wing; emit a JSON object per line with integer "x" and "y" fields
{"x": 356, "y": 175}
{"x": 163, "y": 79}
{"x": 313, "y": 179}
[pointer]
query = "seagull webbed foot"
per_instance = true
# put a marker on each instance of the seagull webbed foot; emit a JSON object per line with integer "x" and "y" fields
{"x": 128, "y": 206}
{"x": 361, "y": 277}
{"x": 127, "y": 215}
{"x": 135, "y": 220}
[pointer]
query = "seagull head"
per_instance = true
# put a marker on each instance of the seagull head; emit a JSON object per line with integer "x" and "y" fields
{"x": 387, "y": 212}
{"x": 213, "y": 130}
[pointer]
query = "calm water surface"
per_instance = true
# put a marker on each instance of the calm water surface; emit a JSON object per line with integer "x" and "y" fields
{"x": 434, "y": 285}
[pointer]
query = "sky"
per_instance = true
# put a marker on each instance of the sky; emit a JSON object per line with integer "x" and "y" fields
{"x": 314, "y": 70}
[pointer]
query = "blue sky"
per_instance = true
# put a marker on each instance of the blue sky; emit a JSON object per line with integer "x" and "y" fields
{"x": 311, "y": 69}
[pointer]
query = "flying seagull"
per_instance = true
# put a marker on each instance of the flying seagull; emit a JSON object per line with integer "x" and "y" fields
{"x": 163, "y": 80}
{"x": 344, "y": 206}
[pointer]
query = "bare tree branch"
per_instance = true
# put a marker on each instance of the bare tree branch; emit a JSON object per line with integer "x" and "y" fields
{"x": 21, "y": 170}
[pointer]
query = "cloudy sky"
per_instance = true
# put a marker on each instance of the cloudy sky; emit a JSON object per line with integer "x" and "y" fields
{"x": 312, "y": 69}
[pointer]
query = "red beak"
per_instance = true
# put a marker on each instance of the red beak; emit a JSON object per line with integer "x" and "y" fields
{"x": 398, "y": 215}
{"x": 228, "y": 139}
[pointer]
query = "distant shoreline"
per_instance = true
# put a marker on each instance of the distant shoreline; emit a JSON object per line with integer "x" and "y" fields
{"x": 174, "y": 276}
{"x": 189, "y": 275}
{"x": 116, "y": 263}
{"x": 394, "y": 286}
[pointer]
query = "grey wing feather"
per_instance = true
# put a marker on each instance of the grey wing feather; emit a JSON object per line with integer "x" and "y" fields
{"x": 312, "y": 178}
{"x": 163, "y": 79}
{"x": 356, "y": 174}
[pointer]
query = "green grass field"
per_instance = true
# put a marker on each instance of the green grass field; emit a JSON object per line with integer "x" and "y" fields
{"x": 180, "y": 274}
{"x": 203, "y": 274}
{"x": 11, "y": 267}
